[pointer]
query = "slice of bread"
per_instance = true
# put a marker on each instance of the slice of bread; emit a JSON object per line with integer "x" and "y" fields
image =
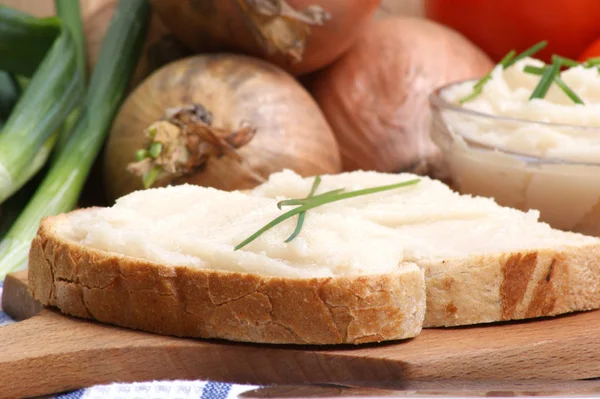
{"x": 372, "y": 268}
{"x": 162, "y": 260}
{"x": 482, "y": 262}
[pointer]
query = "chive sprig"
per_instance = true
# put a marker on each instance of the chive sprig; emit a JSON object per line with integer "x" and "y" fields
{"x": 313, "y": 201}
{"x": 506, "y": 62}
{"x": 549, "y": 74}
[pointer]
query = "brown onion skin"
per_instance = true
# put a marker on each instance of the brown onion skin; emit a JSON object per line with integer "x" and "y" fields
{"x": 159, "y": 48}
{"x": 376, "y": 96}
{"x": 291, "y": 131}
{"x": 210, "y": 25}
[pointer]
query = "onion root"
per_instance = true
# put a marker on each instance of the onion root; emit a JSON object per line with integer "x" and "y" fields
{"x": 182, "y": 143}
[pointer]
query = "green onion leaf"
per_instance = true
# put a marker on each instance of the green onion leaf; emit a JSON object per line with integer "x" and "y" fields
{"x": 315, "y": 202}
{"x": 25, "y": 40}
{"x": 546, "y": 81}
{"x": 9, "y": 94}
{"x": 62, "y": 185}
{"x": 54, "y": 91}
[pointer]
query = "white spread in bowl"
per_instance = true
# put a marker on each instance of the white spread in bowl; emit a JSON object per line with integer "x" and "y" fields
{"x": 539, "y": 154}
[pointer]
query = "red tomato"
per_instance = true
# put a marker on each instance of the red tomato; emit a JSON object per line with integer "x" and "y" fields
{"x": 498, "y": 26}
{"x": 591, "y": 51}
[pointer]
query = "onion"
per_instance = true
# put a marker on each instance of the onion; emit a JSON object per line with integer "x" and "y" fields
{"x": 376, "y": 96}
{"x": 299, "y": 35}
{"x": 407, "y": 8}
{"x": 159, "y": 48}
{"x": 224, "y": 121}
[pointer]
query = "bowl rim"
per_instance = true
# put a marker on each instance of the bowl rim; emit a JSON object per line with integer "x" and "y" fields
{"x": 436, "y": 100}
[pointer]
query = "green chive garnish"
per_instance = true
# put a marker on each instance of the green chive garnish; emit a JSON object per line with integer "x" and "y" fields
{"x": 533, "y": 70}
{"x": 558, "y": 80}
{"x": 302, "y": 215}
{"x": 592, "y": 62}
{"x": 529, "y": 52}
{"x": 546, "y": 81}
{"x": 508, "y": 60}
{"x": 302, "y": 201}
{"x": 481, "y": 82}
{"x": 568, "y": 91}
{"x": 563, "y": 61}
{"x": 319, "y": 200}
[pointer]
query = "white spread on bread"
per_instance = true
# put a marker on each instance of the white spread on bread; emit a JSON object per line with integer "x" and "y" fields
{"x": 196, "y": 226}
{"x": 367, "y": 269}
{"x": 432, "y": 220}
{"x": 199, "y": 227}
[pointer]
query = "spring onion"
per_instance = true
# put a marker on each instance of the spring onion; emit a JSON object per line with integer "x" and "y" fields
{"x": 25, "y": 40}
{"x": 309, "y": 202}
{"x": 55, "y": 89}
{"x": 69, "y": 13}
{"x": 9, "y": 93}
{"x": 61, "y": 187}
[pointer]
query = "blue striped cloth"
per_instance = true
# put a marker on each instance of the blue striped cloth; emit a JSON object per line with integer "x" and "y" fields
{"x": 151, "y": 389}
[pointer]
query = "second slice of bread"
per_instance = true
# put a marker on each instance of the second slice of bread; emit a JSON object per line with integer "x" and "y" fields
{"x": 482, "y": 262}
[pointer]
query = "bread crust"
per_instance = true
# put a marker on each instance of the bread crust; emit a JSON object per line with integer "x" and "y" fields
{"x": 192, "y": 302}
{"x": 512, "y": 285}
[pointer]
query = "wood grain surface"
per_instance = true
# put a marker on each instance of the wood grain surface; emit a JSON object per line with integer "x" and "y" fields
{"x": 50, "y": 352}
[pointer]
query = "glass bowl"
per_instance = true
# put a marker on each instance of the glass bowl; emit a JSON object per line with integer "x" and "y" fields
{"x": 565, "y": 189}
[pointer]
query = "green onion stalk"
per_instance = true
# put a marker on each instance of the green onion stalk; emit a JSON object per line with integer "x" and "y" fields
{"x": 54, "y": 91}
{"x": 9, "y": 94}
{"x": 69, "y": 12}
{"x": 25, "y": 40}
{"x": 61, "y": 187}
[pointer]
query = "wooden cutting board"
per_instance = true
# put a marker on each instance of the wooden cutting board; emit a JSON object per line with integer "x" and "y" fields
{"x": 50, "y": 352}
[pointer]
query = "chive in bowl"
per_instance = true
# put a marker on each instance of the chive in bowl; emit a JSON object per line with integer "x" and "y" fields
{"x": 508, "y": 159}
